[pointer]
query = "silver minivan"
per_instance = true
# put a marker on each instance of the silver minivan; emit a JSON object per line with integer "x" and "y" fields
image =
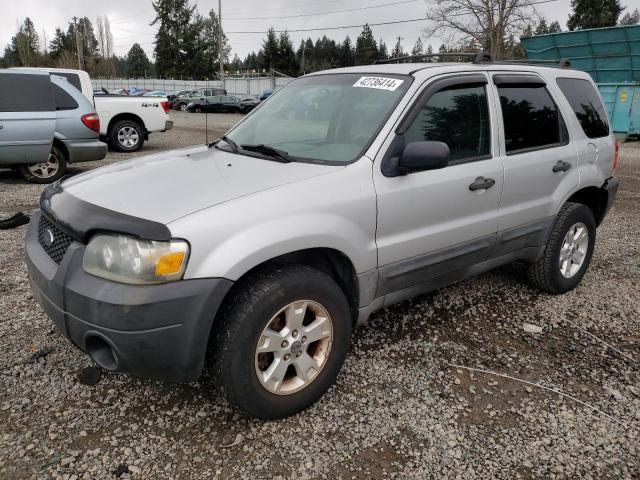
{"x": 348, "y": 191}
{"x": 48, "y": 124}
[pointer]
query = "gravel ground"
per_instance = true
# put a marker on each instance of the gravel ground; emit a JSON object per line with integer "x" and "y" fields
{"x": 404, "y": 406}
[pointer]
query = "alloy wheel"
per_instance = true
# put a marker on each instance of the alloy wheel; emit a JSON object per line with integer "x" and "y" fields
{"x": 46, "y": 169}
{"x": 128, "y": 137}
{"x": 573, "y": 250}
{"x": 294, "y": 347}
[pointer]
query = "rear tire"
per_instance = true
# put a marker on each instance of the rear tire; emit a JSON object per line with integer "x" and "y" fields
{"x": 46, "y": 172}
{"x": 568, "y": 251}
{"x": 126, "y": 136}
{"x": 266, "y": 340}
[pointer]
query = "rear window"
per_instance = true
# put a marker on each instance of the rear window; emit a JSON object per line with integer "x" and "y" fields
{"x": 21, "y": 92}
{"x": 531, "y": 118}
{"x": 587, "y": 106}
{"x": 64, "y": 101}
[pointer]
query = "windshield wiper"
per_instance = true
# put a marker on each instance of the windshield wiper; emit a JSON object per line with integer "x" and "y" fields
{"x": 231, "y": 143}
{"x": 278, "y": 155}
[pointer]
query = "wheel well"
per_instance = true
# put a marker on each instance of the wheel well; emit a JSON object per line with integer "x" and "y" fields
{"x": 593, "y": 197}
{"x": 63, "y": 147}
{"x": 126, "y": 116}
{"x": 329, "y": 261}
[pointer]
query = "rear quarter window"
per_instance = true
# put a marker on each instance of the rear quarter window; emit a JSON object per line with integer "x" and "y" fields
{"x": 586, "y": 104}
{"x": 26, "y": 93}
{"x": 64, "y": 101}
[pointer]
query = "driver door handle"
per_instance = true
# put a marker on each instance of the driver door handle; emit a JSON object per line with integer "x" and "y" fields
{"x": 482, "y": 183}
{"x": 561, "y": 167}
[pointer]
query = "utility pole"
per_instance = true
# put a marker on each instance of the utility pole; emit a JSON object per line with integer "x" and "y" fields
{"x": 78, "y": 42}
{"x": 220, "y": 49}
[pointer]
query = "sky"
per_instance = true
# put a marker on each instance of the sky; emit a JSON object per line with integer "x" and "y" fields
{"x": 130, "y": 19}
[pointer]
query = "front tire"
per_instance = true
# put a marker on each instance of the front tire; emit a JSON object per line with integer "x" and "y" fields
{"x": 568, "y": 251}
{"x": 126, "y": 136}
{"x": 46, "y": 172}
{"x": 283, "y": 337}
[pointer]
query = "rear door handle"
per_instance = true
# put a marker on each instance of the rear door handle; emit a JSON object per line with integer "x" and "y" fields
{"x": 482, "y": 183}
{"x": 1, "y": 125}
{"x": 561, "y": 167}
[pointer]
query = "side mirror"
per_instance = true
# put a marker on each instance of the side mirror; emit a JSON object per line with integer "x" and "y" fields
{"x": 418, "y": 156}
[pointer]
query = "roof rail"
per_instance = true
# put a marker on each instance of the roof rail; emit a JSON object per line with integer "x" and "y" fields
{"x": 426, "y": 55}
{"x": 561, "y": 63}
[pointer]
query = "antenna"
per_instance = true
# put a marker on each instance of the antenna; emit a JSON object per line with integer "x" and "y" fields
{"x": 206, "y": 112}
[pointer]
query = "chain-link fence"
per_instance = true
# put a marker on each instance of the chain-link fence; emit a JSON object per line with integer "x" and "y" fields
{"x": 233, "y": 85}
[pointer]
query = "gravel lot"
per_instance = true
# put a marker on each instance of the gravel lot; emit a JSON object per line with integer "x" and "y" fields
{"x": 401, "y": 407}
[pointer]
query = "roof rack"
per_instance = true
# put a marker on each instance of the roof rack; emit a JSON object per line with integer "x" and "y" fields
{"x": 427, "y": 55}
{"x": 479, "y": 57}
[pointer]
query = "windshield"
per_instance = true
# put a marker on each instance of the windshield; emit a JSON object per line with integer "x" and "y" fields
{"x": 326, "y": 118}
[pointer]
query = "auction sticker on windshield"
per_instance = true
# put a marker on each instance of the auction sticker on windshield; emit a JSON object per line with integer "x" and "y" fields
{"x": 381, "y": 83}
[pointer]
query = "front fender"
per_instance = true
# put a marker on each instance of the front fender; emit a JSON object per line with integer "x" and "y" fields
{"x": 335, "y": 210}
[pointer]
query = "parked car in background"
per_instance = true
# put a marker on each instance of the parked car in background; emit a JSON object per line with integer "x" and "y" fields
{"x": 126, "y": 121}
{"x": 41, "y": 143}
{"x": 199, "y": 95}
{"x": 265, "y": 94}
{"x": 224, "y": 104}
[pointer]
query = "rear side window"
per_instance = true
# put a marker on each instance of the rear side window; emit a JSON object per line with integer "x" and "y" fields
{"x": 26, "y": 93}
{"x": 531, "y": 117}
{"x": 457, "y": 116}
{"x": 587, "y": 106}
{"x": 72, "y": 78}
{"x": 64, "y": 101}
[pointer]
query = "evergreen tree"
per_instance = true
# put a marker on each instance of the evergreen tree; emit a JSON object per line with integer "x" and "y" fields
{"x": 429, "y": 51}
{"x": 398, "y": 51}
{"x": 138, "y": 64}
{"x": 269, "y": 53}
{"x": 60, "y": 42}
{"x": 594, "y": 14}
{"x": 632, "y": 18}
{"x": 236, "y": 63}
{"x": 555, "y": 27}
{"x": 383, "y": 52}
{"x": 542, "y": 27}
{"x": 175, "y": 34}
{"x": 366, "y": 47}
{"x": 209, "y": 44}
{"x": 287, "y": 62}
{"x": 24, "y": 46}
{"x": 347, "y": 57}
{"x": 418, "y": 48}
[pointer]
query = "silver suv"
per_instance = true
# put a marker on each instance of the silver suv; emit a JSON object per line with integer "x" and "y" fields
{"x": 346, "y": 192}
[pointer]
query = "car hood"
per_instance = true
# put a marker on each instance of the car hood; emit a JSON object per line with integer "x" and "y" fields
{"x": 171, "y": 185}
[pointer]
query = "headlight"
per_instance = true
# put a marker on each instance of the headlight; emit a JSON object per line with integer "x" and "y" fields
{"x": 132, "y": 260}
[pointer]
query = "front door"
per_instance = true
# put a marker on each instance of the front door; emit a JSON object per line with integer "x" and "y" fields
{"x": 440, "y": 222}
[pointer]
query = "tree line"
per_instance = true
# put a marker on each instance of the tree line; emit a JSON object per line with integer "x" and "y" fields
{"x": 187, "y": 43}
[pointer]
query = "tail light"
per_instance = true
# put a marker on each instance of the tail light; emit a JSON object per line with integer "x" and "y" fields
{"x": 616, "y": 158}
{"x": 165, "y": 105}
{"x": 91, "y": 121}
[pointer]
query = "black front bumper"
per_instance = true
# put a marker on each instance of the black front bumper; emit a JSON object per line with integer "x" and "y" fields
{"x": 152, "y": 331}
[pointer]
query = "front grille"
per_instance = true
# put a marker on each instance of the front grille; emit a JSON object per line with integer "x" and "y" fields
{"x": 53, "y": 240}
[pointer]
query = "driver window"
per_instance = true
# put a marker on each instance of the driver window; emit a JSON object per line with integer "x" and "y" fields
{"x": 457, "y": 116}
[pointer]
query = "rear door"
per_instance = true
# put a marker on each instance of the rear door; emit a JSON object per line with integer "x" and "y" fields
{"x": 540, "y": 163}
{"x": 27, "y": 117}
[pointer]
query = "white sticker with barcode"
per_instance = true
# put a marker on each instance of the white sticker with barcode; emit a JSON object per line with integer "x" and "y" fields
{"x": 381, "y": 83}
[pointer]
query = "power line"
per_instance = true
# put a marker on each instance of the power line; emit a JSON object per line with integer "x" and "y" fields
{"x": 377, "y": 24}
{"x": 324, "y": 13}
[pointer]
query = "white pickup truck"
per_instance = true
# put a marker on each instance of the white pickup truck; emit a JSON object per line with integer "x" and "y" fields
{"x": 125, "y": 122}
